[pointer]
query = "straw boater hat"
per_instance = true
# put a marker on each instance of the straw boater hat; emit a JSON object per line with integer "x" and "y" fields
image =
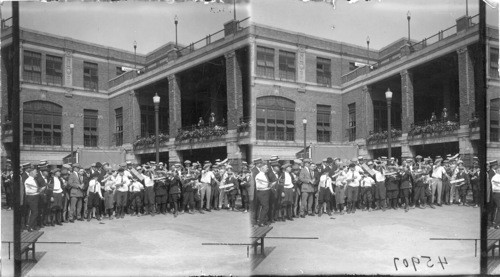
{"x": 286, "y": 165}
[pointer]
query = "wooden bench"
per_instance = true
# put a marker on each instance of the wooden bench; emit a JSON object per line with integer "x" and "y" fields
{"x": 493, "y": 238}
{"x": 28, "y": 241}
{"x": 259, "y": 233}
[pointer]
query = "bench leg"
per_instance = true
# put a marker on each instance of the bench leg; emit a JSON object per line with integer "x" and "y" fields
{"x": 262, "y": 246}
{"x": 33, "y": 251}
{"x": 9, "y": 250}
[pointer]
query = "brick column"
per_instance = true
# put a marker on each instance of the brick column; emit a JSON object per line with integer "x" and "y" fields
{"x": 301, "y": 68}
{"x": 466, "y": 85}
{"x": 367, "y": 94}
{"x": 174, "y": 156}
{"x": 174, "y": 105}
{"x": 233, "y": 150}
{"x": 407, "y": 109}
{"x": 234, "y": 90}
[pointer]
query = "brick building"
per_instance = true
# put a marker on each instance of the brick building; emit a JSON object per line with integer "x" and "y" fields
{"x": 296, "y": 77}
{"x": 107, "y": 94}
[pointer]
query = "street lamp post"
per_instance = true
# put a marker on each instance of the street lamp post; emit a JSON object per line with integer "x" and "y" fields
{"x": 156, "y": 101}
{"x": 71, "y": 128}
{"x": 408, "y": 16}
{"x": 388, "y": 96}
{"x": 176, "y": 20}
{"x": 368, "y": 52}
{"x": 135, "y": 54}
{"x": 304, "y": 122}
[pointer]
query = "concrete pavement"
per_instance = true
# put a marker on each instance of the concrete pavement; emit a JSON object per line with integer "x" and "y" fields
{"x": 141, "y": 246}
{"x": 368, "y": 242}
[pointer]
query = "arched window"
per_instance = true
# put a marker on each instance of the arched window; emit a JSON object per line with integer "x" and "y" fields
{"x": 275, "y": 118}
{"x": 42, "y": 123}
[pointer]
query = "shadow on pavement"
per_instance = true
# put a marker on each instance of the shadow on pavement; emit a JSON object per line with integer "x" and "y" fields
{"x": 27, "y": 265}
{"x": 258, "y": 258}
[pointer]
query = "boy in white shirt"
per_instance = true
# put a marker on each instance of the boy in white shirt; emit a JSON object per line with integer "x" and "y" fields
{"x": 94, "y": 197}
{"x": 135, "y": 192}
{"x": 366, "y": 192}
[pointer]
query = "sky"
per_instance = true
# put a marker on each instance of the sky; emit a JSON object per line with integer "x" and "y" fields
{"x": 384, "y": 21}
{"x": 151, "y": 24}
{"x": 118, "y": 24}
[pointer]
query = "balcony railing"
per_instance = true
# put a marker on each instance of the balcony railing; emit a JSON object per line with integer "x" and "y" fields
{"x": 197, "y": 45}
{"x": 434, "y": 127}
{"x": 382, "y": 136}
{"x": 244, "y": 125}
{"x": 202, "y": 132}
{"x": 442, "y": 34}
{"x": 149, "y": 141}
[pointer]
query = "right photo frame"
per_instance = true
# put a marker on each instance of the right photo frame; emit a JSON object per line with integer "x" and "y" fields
{"x": 376, "y": 137}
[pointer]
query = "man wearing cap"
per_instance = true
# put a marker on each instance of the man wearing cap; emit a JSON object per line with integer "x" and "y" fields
{"x": 207, "y": 177}
{"x": 307, "y": 190}
{"x": 32, "y": 198}
{"x": 273, "y": 176}
{"x": 253, "y": 203}
{"x": 296, "y": 168}
{"x": 474, "y": 180}
{"x": 463, "y": 185}
{"x": 42, "y": 180}
{"x": 7, "y": 186}
{"x": 76, "y": 183}
{"x": 495, "y": 187}
{"x": 56, "y": 186}
{"x": 380, "y": 189}
{"x": 65, "y": 206}
{"x": 352, "y": 180}
{"x": 262, "y": 185}
{"x": 438, "y": 173}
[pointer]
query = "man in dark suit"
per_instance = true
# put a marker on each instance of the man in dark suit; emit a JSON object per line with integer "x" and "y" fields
{"x": 273, "y": 175}
{"x": 256, "y": 163}
{"x": 75, "y": 182}
{"x": 42, "y": 180}
{"x": 306, "y": 176}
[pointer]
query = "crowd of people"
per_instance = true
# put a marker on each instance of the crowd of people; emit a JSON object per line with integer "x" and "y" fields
{"x": 53, "y": 196}
{"x": 300, "y": 188}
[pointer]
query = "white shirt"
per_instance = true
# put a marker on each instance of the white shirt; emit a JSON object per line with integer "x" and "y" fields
{"x": 355, "y": 178}
{"x": 326, "y": 182}
{"x": 261, "y": 182}
{"x": 288, "y": 180}
{"x": 379, "y": 177}
{"x": 136, "y": 187}
{"x": 438, "y": 172}
{"x": 495, "y": 183}
{"x": 207, "y": 176}
{"x": 119, "y": 180}
{"x": 30, "y": 186}
{"x": 367, "y": 182}
{"x": 94, "y": 186}
{"x": 57, "y": 185}
{"x": 148, "y": 182}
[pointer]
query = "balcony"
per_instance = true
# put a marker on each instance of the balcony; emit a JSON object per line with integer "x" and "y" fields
{"x": 149, "y": 141}
{"x": 382, "y": 136}
{"x": 201, "y": 132}
{"x": 452, "y": 31}
{"x": 194, "y": 46}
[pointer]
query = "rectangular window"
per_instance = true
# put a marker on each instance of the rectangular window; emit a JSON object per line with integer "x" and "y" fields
{"x": 323, "y": 72}
{"x": 53, "y": 69}
{"x": 380, "y": 116}
{"x": 90, "y": 135}
{"x": 119, "y": 126}
{"x": 265, "y": 62}
{"x": 287, "y": 65}
{"x": 351, "y": 130}
{"x": 148, "y": 121}
{"x": 90, "y": 77}
{"x": 493, "y": 62}
{"x": 323, "y": 128}
{"x": 32, "y": 67}
{"x": 495, "y": 120}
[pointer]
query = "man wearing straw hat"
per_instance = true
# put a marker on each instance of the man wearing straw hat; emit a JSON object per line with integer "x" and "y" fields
{"x": 438, "y": 173}
{"x": 207, "y": 177}
{"x": 307, "y": 190}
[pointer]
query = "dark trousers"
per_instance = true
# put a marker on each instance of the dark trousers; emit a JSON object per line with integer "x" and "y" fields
{"x": 188, "y": 199}
{"x": 8, "y": 195}
{"x": 32, "y": 203}
{"x": 446, "y": 193}
{"x": 262, "y": 197}
{"x": 496, "y": 199}
{"x": 366, "y": 194}
{"x": 324, "y": 196}
{"x": 419, "y": 195}
{"x": 380, "y": 191}
{"x": 215, "y": 197}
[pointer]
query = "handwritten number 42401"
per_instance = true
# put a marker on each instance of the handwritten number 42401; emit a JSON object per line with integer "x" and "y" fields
{"x": 424, "y": 260}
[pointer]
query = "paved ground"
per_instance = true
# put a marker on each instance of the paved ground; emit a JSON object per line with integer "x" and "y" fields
{"x": 368, "y": 242}
{"x": 140, "y": 246}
